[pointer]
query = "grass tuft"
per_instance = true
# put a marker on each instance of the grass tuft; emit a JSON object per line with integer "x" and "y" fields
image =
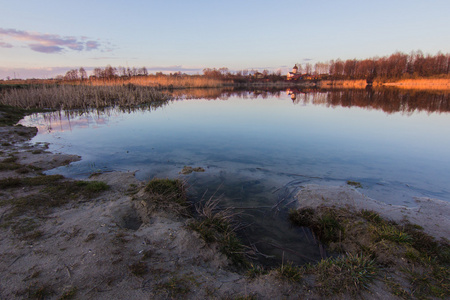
{"x": 93, "y": 186}
{"x": 175, "y": 287}
{"x": 255, "y": 271}
{"x": 350, "y": 273}
{"x": 290, "y": 272}
{"x": 355, "y": 184}
{"x": 391, "y": 233}
{"x": 371, "y": 216}
{"x": 216, "y": 226}
{"x": 325, "y": 225}
{"x": 168, "y": 189}
{"x": 69, "y": 294}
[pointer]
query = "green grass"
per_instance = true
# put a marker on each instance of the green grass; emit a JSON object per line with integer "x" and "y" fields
{"x": 391, "y": 233}
{"x": 7, "y": 166}
{"x": 326, "y": 225}
{"x": 371, "y": 216}
{"x": 355, "y": 184}
{"x": 13, "y": 182}
{"x": 92, "y": 186}
{"x": 349, "y": 273}
{"x": 169, "y": 189}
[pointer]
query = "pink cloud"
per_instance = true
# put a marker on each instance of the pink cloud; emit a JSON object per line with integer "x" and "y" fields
{"x": 48, "y": 43}
{"x": 91, "y": 45}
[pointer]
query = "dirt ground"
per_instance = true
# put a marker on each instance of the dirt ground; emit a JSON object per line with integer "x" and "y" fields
{"x": 103, "y": 248}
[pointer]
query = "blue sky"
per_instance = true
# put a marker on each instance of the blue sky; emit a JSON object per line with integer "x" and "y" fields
{"x": 44, "y": 38}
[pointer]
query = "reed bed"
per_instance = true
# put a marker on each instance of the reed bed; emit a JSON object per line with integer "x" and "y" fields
{"x": 421, "y": 84}
{"x": 162, "y": 81}
{"x": 81, "y": 96}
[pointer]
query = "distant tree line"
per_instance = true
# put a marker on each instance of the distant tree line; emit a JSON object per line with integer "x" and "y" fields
{"x": 110, "y": 72}
{"x": 395, "y": 66}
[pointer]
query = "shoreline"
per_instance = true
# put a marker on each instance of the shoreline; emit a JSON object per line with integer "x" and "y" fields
{"x": 432, "y": 84}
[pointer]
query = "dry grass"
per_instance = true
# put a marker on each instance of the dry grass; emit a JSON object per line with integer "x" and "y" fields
{"x": 216, "y": 225}
{"x": 421, "y": 84}
{"x": 80, "y": 96}
{"x": 161, "y": 81}
{"x": 442, "y": 84}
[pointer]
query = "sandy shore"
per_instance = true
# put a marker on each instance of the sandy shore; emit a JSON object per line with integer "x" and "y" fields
{"x": 110, "y": 247}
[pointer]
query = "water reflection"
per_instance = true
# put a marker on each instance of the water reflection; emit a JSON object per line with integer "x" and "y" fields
{"x": 389, "y": 100}
{"x": 67, "y": 120}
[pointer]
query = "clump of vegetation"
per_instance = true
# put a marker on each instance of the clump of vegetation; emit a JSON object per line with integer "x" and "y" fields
{"x": 390, "y": 233}
{"x": 290, "y": 272}
{"x": 92, "y": 186}
{"x": 14, "y": 182}
{"x": 188, "y": 170}
{"x": 68, "y": 294}
{"x": 175, "y": 287}
{"x": 5, "y": 165}
{"x": 168, "y": 190}
{"x": 325, "y": 225}
{"x": 349, "y": 273}
{"x": 217, "y": 226}
{"x": 355, "y": 184}
{"x": 371, "y": 216}
{"x": 255, "y": 271}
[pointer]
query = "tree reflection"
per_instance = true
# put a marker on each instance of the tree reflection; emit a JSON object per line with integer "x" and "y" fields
{"x": 389, "y": 100}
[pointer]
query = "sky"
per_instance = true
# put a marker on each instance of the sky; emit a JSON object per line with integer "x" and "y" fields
{"x": 41, "y": 39}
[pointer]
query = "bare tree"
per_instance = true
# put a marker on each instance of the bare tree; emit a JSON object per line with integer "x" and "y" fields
{"x": 83, "y": 74}
{"x": 143, "y": 71}
{"x": 71, "y": 75}
{"x": 308, "y": 68}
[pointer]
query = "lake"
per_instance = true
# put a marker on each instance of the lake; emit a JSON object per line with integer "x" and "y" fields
{"x": 259, "y": 148}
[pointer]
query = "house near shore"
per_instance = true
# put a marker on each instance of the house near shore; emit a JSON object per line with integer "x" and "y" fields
{"x": 294, "y": 75}
{"x": 259, "y": 75}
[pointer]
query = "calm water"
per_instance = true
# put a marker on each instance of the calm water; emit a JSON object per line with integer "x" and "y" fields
{"x": 258, "y": 150}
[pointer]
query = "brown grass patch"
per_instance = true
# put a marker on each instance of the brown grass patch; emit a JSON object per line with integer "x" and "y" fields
{"x": 421, "y": 84}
